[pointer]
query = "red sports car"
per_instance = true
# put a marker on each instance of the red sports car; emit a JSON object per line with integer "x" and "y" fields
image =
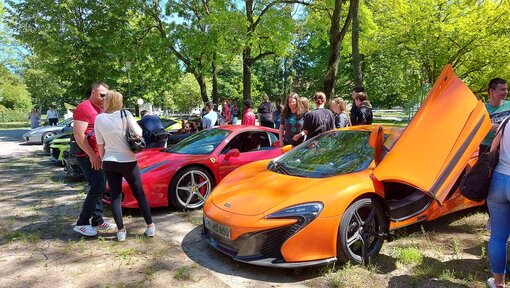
{"x": 185, "y": 174}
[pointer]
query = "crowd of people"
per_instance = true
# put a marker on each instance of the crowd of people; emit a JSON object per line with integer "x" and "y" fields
{"x": 294, "y": 120}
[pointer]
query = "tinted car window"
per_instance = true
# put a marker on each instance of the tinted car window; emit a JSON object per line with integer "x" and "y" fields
{"x": 333, "y": 153}
{"x": 203, "y": 142}
{"x": 249, "y": 142}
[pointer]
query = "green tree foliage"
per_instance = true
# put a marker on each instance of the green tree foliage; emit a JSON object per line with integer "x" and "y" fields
{"x": 82, "y": 42}
{"x": 13, "y": 93}
{"x": 269, "y": 31}
{"x": 45, "y": 89}
{"x": 185, "y": 95}
{"x": 243, "y": 48}
{"x": 201, "y": 34}
{"x": 415, "y": 41}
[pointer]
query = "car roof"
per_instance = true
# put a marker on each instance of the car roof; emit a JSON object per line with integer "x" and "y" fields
{"x": 242, "y": 128}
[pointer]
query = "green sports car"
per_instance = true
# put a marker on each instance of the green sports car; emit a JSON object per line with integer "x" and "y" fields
{"x": 57, "y": 148}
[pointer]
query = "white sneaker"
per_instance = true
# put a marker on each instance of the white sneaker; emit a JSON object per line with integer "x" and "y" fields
{"x": 492, "y": 284}
{"x": 105, "y": 226}
{"x": 150, "y": 231}
{"x": 85, "y": 230}
{"x": 121, "y": 235}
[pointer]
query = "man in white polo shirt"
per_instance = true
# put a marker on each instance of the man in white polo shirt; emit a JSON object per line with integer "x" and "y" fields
{"x": 52, "y": 116}
{"x": 210, "y": 117}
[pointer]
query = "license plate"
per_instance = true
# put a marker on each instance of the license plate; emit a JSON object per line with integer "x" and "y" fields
{"x": 217, "y": 228}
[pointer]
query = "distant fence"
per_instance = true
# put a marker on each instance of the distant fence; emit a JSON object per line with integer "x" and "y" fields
{"x": 392, "y": 115}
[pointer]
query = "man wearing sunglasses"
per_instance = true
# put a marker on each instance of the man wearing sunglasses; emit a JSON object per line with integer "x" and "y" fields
{"x": 84, "y": 116}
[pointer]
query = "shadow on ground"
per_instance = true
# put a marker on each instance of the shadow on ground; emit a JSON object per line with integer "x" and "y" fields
{"x": 200, "y": 252}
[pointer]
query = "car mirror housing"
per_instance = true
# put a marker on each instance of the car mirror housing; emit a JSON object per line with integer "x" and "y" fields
{"x": 232, "y": 153}
{"x": 286, "y": 148}
{"x": 376, "y": 142}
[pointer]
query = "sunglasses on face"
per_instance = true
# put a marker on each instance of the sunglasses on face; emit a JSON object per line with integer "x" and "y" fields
{"x": 102, "y": 95}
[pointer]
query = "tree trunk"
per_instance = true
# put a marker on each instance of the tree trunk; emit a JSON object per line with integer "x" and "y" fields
{"x": 214, "y": 81}
{"x": 203, "y": 86}
{"x": 247, "y": 73}
{"x": 336, "y": 36}
{"x": 356, "y": 61}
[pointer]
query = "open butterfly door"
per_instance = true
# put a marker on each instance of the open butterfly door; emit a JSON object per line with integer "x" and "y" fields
{"x": 435, "y": 147}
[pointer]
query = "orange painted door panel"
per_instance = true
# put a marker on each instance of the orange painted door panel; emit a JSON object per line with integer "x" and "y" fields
{"x": 439, "y": 141}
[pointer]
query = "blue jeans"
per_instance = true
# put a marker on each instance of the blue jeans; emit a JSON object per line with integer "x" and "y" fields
{"x": 498, "y": 201}
{"x": 93, "y": 204}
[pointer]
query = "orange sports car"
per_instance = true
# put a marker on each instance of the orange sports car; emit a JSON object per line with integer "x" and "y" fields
{"x": 336, "y": 196}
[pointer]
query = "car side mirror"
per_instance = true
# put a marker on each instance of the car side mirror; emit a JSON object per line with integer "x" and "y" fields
{"x": 376, "y": 142}
{"x": 286, "y": 148}
{"x": 232, "y": 153}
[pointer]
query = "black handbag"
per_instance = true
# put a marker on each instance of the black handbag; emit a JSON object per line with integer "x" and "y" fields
{"x": 476, "y": 182}
{"x": 135, "y": 142}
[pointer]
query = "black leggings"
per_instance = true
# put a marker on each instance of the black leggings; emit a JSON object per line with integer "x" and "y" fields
{"x": 114, "y": 171}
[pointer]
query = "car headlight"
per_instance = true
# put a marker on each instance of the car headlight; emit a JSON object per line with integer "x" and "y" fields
{"x": 304, "y": 213}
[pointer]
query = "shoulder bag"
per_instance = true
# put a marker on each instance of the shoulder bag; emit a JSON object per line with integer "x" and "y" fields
{"x": 476, "y": 182}
{"x": 135, "y": 142}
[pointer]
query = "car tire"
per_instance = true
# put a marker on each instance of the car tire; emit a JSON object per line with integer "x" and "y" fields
{"x": 190, "y": 187}
{"x": 67, "y": 166}
{"x": 363, "y": 222}
{"x": 47, "y": 135}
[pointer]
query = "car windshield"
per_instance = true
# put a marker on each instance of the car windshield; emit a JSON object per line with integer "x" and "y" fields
{"x": 203, "y": 142}
{"x": 167, "y": 122}
{"x": 333, "y": 153}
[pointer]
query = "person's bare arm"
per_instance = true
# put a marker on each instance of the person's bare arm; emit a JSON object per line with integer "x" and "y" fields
{"x": 79, "y": 135}
{"x": 100, "y": 149}
{"x": 280, "y": 135}
{"x": 495, "y": 142}
{"x": 299, "y": 135}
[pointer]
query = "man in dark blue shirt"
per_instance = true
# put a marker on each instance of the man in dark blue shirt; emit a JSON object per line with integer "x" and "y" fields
{"x": 151, "y": 125}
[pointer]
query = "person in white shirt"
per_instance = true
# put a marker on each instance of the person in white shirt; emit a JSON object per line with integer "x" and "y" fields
{"x": 119, "y": 161}
{"x": 210, "y": 117}
{"x": 52, "y": 116}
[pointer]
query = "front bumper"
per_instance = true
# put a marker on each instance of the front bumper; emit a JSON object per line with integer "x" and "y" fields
{"x": 262, "y": 248}
{"x": 56, "y": 156}
{"x": 71, "y": 167}
{"x": 33, "y": 138}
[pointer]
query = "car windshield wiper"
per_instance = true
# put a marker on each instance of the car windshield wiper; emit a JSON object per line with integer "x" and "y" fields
{"x": 280, "y": 167}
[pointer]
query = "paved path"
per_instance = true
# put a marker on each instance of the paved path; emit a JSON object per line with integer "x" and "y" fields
{"x": 12, "y": 143}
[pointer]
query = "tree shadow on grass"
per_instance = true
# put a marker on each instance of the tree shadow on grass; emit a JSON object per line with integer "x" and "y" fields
{"x": 434, "y": 273}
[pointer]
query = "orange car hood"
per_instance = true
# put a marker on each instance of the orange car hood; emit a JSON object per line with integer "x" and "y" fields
{"x": 245, "y": 197}
{"x": 439, "y": 141}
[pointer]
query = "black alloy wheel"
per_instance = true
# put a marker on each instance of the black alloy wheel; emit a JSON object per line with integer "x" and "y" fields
{"x": 361, "y": 231}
